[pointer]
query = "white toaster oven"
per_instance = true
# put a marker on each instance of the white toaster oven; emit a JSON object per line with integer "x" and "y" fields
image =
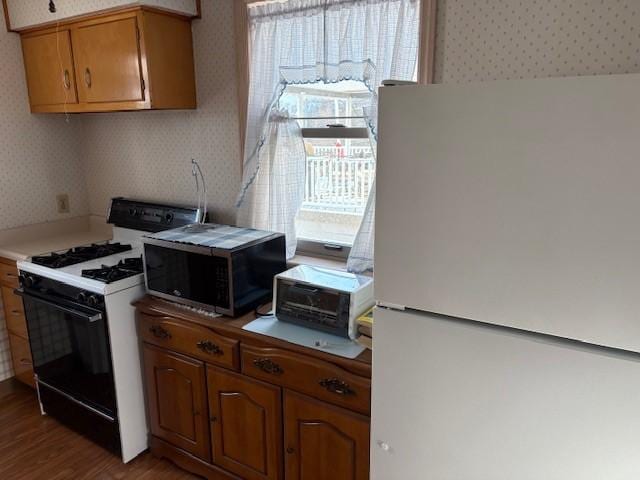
{"x": 322, "y": 299}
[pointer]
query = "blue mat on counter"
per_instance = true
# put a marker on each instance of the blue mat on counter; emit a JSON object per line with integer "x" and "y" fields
{"x": 306, "y": 337}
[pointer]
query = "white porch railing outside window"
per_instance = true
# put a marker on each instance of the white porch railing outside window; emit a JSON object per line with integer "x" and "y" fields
{"x": 338, "y": 179}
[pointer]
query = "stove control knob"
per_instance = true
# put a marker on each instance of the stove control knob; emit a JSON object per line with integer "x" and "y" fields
{"x": 93, "y": 301}
{"x": 133, "y": 212}
{"x": 28, "y": 281}
{"x": 82, "y": 297}
{"x": 168, "y": 217}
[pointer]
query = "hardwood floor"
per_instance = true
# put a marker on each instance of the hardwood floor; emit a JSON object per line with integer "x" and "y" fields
{"x": 33, "y": 447}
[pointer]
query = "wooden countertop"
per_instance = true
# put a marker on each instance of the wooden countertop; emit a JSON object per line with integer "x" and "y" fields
{"x": 232, "y": 327}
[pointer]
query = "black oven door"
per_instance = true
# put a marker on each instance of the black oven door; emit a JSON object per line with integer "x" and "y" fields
{"x": 71, "y": 352}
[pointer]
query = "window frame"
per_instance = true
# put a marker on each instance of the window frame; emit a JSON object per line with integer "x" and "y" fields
{"x": 319, "y": 248}
{"x": 426, "y": 66}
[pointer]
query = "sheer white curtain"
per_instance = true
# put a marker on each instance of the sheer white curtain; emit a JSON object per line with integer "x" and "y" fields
{"x": 306, "y": 41}
{"x": 275, "y": 195}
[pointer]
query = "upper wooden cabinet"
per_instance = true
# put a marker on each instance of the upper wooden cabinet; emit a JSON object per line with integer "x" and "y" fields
{"x": 108, "y": 60}
{"x": 48, "y": 62}
{"x": 136, "y": 59}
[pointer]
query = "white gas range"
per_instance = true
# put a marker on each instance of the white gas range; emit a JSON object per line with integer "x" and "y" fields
{"x": 81, "y": 321}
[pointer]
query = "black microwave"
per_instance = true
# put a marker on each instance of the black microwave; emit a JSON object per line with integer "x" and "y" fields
{"x": 219, "y": 268}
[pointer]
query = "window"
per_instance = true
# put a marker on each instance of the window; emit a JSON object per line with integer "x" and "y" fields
{"x": 340, "y": 166}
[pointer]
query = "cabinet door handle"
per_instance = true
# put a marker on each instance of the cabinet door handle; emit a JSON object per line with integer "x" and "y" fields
{"x": 87, "y": 77}
{"x": 209, "y": 347}
{"x": 16, "y": 313}
{"x": 291, "y": 450}
{"x": 336, "y": 386}
{"x": 268, "y": 366}
{"x": 159, "y": 332}
{"x": 66, "y": 79}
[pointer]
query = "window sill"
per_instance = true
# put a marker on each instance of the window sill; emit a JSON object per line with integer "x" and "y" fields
{"x": 326, "y": 262}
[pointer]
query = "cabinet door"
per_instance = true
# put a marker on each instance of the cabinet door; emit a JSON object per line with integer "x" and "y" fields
{"x": 14, "y": 312}
{"x": 21, "y": 357}
{"x": 324, "y": 442}
{"x": 48, "y": 63}
{"x": 108, "y": 61}
{"x": 246, "y": 424}
{"x": 176, "y": 392}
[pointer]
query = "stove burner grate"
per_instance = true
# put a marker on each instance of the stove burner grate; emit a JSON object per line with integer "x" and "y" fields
{"x": 80, "y": 254}
{"x": 124, "y": 269}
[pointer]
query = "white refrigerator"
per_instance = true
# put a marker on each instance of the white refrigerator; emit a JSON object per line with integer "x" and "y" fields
{"x": 507, "y": 267}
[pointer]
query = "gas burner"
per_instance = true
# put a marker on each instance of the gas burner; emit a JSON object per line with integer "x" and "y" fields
{"x": 124, "y": 269}
{"x": 80, "y": 254}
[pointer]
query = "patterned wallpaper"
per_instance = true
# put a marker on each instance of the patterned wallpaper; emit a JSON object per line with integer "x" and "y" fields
{"x": 148, "y": 154}
{"x": 24, "y": 13}
{"x": 39, "y": 154}
{"x": 480, "y": 40}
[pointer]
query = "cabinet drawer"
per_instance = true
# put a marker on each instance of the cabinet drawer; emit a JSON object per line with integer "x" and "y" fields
{"x": 8, "y": 275}
{"x": 314, "y": 377}
{"x": 190, "y": 339}
{"x": 22, "y": 362}
{"x": 14, "y": 313}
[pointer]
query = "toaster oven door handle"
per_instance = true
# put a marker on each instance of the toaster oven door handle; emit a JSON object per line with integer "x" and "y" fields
{"x": 304, "y": 289}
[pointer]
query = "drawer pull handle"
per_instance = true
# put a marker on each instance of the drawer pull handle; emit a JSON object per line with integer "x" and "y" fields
{"x": 336, "y": 386}
{"x": 268, "y": 366}
{"x": 24, "y": 361}
{"x": 16, "y": 313}
{"x": 209, "y": 347}
{"x": 12, "y": 275}
{"x": 159, "y": 332}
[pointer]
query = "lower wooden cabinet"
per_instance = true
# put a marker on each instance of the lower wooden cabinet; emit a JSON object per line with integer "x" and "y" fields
{"x": 21, "y": 357}
{"x": 16, "y": 323}
{"x": 177, "y": 400}
{"x": 324, "y": 442}
{"x": 246, "y": 425}
{"x": 223, "y": 420}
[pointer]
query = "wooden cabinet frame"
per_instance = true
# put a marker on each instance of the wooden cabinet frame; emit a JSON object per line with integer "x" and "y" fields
{"x": 16, "y": 323}
{"x": 7, "y": 18}
{"x": 164, "y": 46}
{"x": 265, "y": 411}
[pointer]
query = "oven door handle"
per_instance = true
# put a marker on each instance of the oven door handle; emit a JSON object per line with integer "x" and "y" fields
{"x": 91, "y": 318}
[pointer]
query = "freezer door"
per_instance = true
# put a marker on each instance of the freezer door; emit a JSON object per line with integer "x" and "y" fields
{"x": 455, "y": 400}
{"x": 514, "y": 203}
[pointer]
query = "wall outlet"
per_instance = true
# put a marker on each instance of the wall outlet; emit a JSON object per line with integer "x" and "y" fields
{"x": 63, "y": 203}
